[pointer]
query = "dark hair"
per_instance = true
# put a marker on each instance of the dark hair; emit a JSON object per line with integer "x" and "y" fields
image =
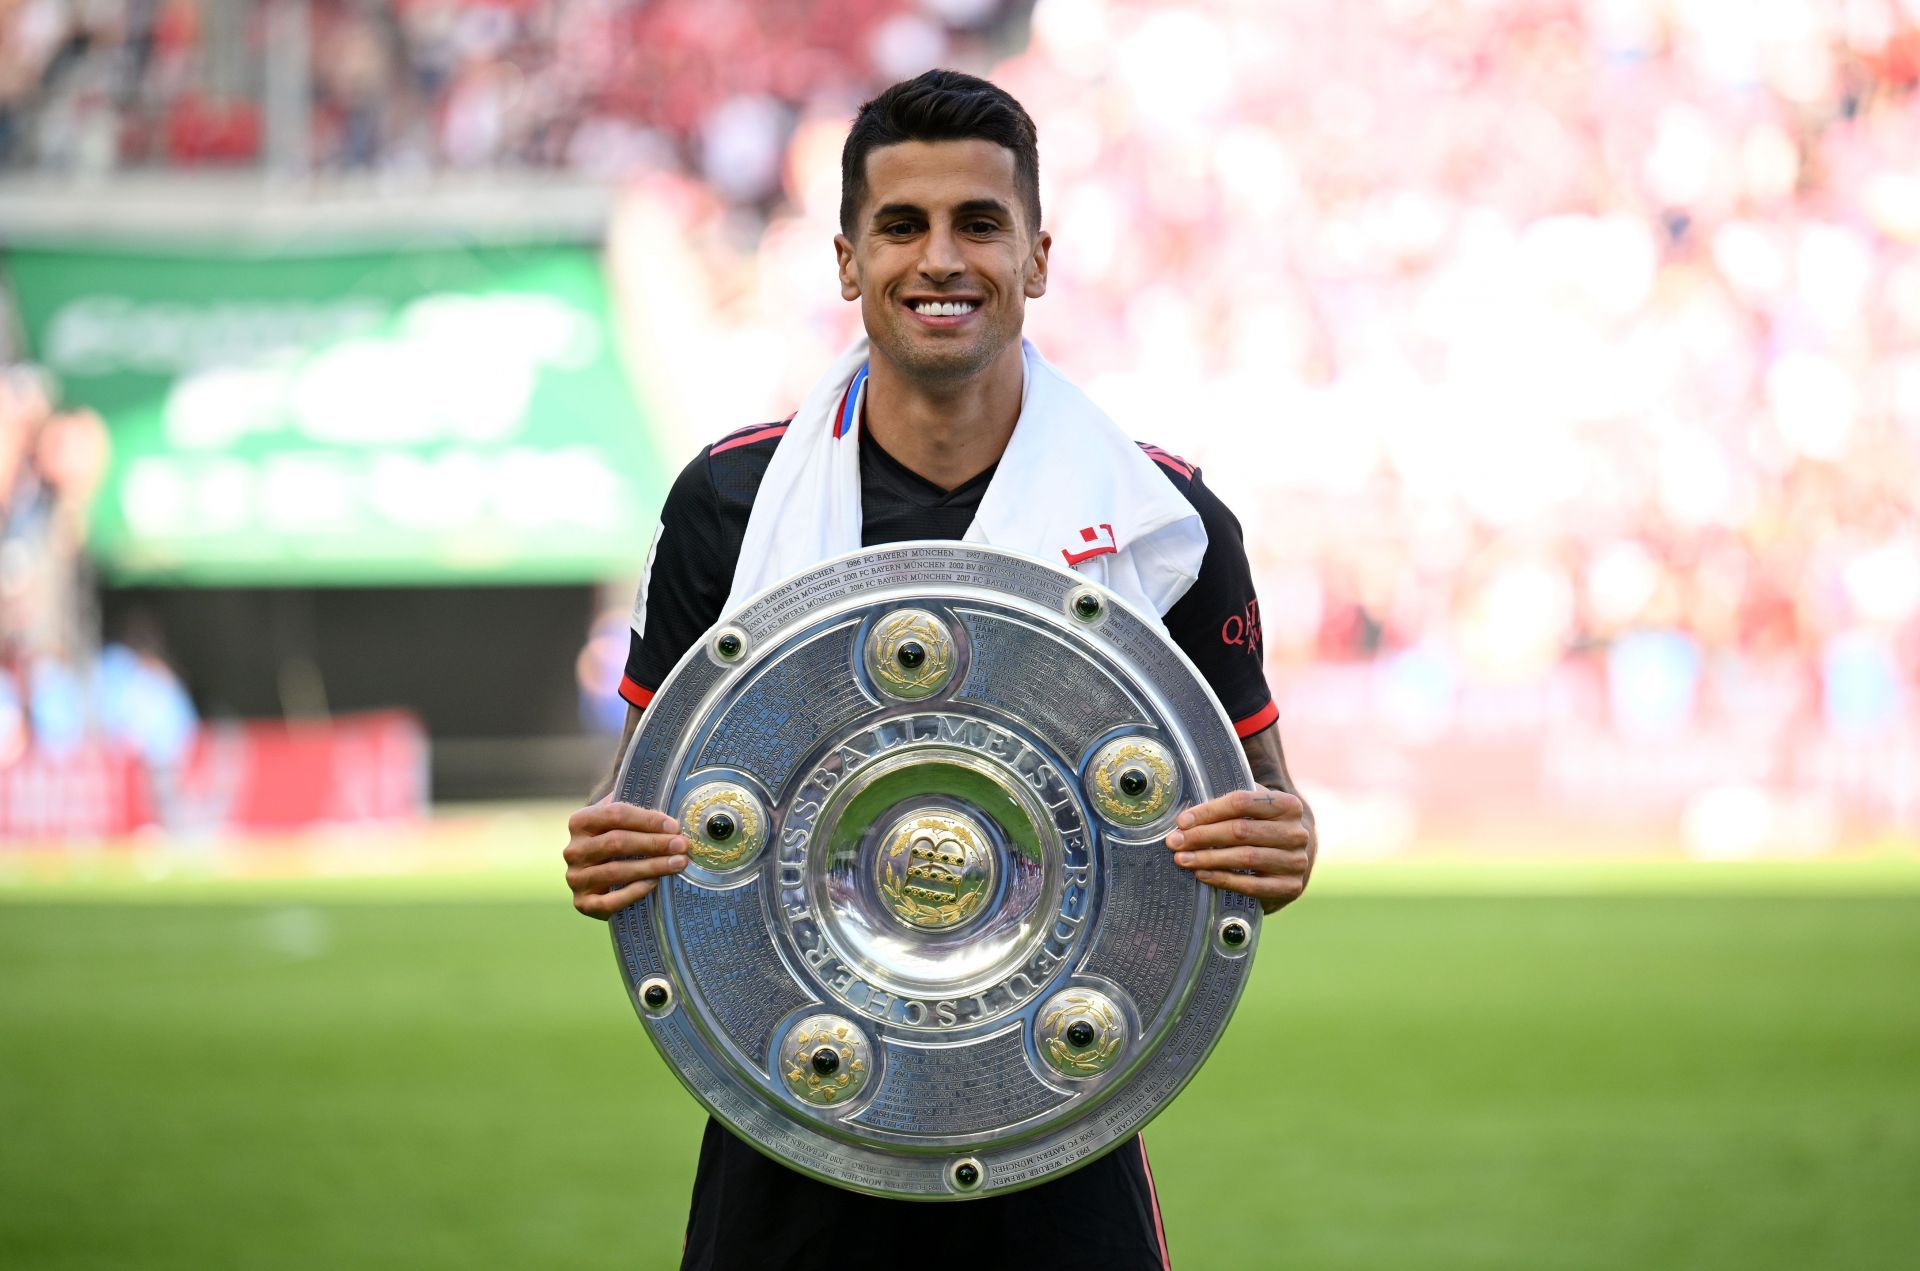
{"x": 940, "y": 106}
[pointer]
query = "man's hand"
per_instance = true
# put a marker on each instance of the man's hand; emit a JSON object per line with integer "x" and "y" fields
{"x": 1257, "y": 842}
{"x": 618, "y": 854}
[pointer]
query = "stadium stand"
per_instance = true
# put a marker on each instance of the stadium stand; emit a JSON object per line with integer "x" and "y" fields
{"x": 1579, "y": 344}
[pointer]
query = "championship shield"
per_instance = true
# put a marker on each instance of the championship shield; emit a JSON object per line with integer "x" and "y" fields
{"x": 930, "y": 943}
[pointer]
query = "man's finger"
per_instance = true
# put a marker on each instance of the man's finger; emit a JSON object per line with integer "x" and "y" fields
{"x": 1265, "y": 888}
{"x": 607, "y": 904}
{"x": 1263, "y": 804}
{"x": 615, "y": 874}
{"x": 597, "y": 818}
{"x": 618, "y": 843}
{"x": 1239, "y": 832}
{"x": 1261, "y": 860}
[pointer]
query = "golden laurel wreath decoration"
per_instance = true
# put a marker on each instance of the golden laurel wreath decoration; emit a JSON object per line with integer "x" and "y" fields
{"x": 746, "y": 838}
{"x": 1094, "y": 1058}
{"x": 936, "y": 654}
{"x": 1121, "y": 807}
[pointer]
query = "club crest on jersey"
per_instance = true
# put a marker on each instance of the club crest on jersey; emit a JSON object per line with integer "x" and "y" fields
{"x": 1095, "y": 540}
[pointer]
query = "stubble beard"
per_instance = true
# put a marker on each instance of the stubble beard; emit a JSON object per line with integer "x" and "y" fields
{"x": 928, "y": 363}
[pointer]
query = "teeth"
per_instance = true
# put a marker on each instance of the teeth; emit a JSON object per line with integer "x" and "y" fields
{"x": 944, "y": 309}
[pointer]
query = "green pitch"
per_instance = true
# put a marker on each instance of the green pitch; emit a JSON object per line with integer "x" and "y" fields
{"x": 1629, "y": 1077}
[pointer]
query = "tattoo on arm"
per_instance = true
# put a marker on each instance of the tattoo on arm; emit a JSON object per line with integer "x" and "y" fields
{"x": 606, "y": 785}
{"x": 1269, "y": 764}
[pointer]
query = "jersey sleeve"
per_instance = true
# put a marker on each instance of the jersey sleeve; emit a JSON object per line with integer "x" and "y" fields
{"x": 682, "y": 586}
{"x": 1217, "y": 623}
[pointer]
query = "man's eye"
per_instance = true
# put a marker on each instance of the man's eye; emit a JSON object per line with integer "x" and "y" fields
{"x": 982, "y": 227}
{"x": 899, "y": 229}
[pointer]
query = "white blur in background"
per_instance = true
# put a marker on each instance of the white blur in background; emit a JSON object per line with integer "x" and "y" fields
{"x": 1565, "y": 351}
{"x": 1561, "y": 360}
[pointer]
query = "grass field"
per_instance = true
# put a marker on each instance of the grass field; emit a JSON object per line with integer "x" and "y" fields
{"x": 1647, "y": 1067}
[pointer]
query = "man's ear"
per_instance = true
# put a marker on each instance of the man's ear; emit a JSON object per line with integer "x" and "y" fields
{"x": 849, "y": 282}
{"x": 1036, "y": 283}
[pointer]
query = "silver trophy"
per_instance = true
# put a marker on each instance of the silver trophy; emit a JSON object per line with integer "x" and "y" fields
{"x": 930, "y": 943}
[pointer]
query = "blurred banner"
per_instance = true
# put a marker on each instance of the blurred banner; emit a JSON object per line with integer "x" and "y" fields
{"x": 232, "y": 777}
{"x": 418, "y": 415}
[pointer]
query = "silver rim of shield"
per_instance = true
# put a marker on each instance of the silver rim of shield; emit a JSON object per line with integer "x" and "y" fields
{"x": 725, "y": 1036}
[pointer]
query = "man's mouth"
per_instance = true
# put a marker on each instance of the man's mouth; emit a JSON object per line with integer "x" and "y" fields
{"x": 943, "y": 308}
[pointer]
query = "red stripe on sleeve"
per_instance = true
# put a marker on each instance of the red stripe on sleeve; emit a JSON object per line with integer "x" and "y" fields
{"x": 741, "y": 432}
{"x": 1258, "y": 722}
{"x": 1172, "y": 465}
{"x": 749, "y": 439}
{"x": 637, "y": 694}
{"x": 1165, "y": 460}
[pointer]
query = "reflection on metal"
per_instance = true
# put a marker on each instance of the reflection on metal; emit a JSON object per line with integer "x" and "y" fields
{"x": 935, "y": 947}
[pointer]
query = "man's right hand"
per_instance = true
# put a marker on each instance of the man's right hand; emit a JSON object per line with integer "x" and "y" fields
{"x": 618, "y": 853}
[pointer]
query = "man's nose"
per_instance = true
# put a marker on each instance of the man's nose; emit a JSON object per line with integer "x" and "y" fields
{"x": 940, "y": 259}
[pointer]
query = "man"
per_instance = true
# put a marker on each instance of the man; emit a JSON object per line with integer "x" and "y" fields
{"x": 941, "y": 244}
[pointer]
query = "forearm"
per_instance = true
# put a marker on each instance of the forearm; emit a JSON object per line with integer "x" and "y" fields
{"x": 1269, "y": 764}
{"x": 605, "y": 788}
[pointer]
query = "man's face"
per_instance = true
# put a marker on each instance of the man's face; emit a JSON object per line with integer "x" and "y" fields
{"x": 941, "y": 259}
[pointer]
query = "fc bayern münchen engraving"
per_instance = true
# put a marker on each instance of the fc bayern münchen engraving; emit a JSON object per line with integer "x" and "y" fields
{"x": 934, "y": 948}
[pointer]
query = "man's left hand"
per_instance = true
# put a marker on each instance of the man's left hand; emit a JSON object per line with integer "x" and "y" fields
{"x": 1257, "y": 842}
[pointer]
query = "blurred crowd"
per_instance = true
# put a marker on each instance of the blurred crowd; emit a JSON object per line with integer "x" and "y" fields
{"x": 1556, "y": 356}
{"x": 1562, "y": 360}
{"x": 93, "y": 85}
{"x": 597, "y": 86}
{"x": 60, "y": 690}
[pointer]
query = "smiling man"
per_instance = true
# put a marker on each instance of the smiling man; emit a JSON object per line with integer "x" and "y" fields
{"x": 944, "y": 424}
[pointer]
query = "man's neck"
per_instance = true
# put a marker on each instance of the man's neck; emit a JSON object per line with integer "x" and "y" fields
{"x": 947, "y": 434}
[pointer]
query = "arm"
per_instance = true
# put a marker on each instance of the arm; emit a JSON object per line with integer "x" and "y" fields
{"x": 1258, "y": 842}
{"x": 616, "y": 853}
{"x": 605, "y": 788}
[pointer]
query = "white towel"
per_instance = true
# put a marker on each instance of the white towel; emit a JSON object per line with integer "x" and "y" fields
{"x": 1071, "y": 490}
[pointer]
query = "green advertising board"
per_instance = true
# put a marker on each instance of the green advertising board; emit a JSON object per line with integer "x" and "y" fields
{"x": 446, "y": 414}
